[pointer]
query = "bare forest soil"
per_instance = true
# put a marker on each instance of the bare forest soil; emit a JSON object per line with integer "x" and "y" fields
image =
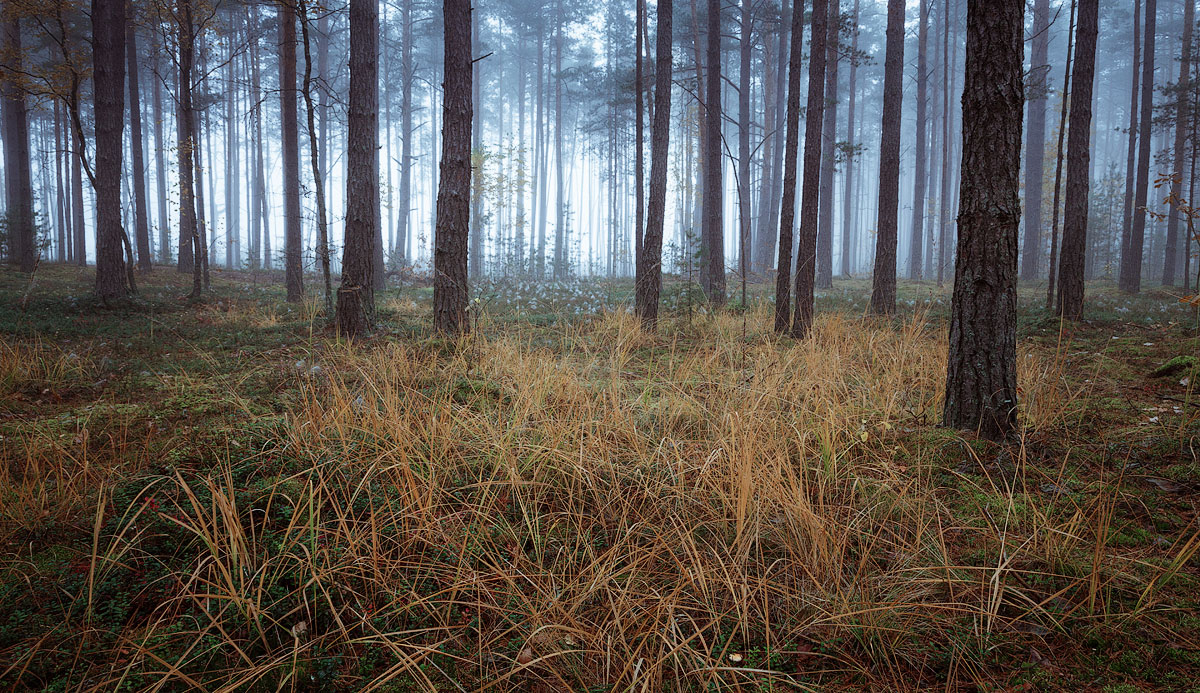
{"x": 219, "y": 495}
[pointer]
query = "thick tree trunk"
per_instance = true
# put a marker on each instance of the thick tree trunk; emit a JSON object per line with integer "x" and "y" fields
{"x": 1035, "y": 140}
{"x": 1074, "y": 241}
{"x": 141, "y": 216}
{"x": 290, "y": 142}
{"x": 883, "y": 284}
{"x": 814, "y": 117}
{"x": 356, "y": 296}
{"x": 712, "y": 241}
{"x": 649, "y": 268}
{"x": 1181, "y": 131}
{"x": 450, "y": 289}
{"x": 189, "y": 234}
{"x": 18, "y": 181}
{"x": 1131, "y": 256}
{"x": 915, "y": 247}
{"x": 981, "y": 375}
{"x": 787, "y": 218}
{"x": 108, "y": 61}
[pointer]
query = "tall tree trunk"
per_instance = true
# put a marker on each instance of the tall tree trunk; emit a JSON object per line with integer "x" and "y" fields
{"x": 314, "y": 156}
{"x": 160, "y": 168}
{"x": 60, "y": 187}
{"x": 814, "y": 115}
{"x": 560, "y": 203}
{"x": 1060, "y": 156}
{"x": 787, "y": 219}
{"x": 233, "y": 226}
{"x": 108, "y": 60}
{"x": 765, "y": 236}
{"x": 745, "y": 153}
{"x": 201, "y": 218}
{"x": 649, "y": 267}
{"x": 18, "y": 181}
{"x": 1181, "y": 118}
{"x": 712, "y": 267}
{"x": 290, "y": 142}
{"x": 356, "y": 296}
{"x": 947, "y": 116}
{"x": 828, "y": 151}
{"x": 189, "y": 246}
{"x": 639, "y": 107}
{"x": 1132, "y": 135}
{"x": 1131, "y": 256}
{"x": 475, "y": 261}
{"x": 406, "y": 129}
{"x": 79, "y": 224}
{"x": 141, "y": 216}
{"x": 919, "y": 175}
{"x": 981, "y": 374}
{"x": 883, "y": 284}
{"x": 538, "y": 263}
{"x": 1074, "y": 242}
{"x": 1035, "y": 140}
{"x": 847, "y": 258}
{"x": 450, "y": 289}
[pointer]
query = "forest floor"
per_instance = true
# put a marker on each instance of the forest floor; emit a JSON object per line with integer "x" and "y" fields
{"x": 220, "y": 495}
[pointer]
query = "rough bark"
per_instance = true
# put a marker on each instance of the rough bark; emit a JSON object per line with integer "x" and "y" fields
{"x": 108, "y": 61}
{"x": 981, "y": 374}
{"x": 649, "y": 267}
{"x": 712, "y": 263}
{"x": 290, "y": 142}
{"x": 883, "y": 283}
{"x": 356, "y": 295}
{"x": 1074, "y": 240}
{"x": 189, "y": 235}
{"x": 18, "y": 178}
{"x": 450, "y": 289}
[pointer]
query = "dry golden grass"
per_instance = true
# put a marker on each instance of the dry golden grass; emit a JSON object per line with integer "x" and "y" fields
{"x": 610, "y": 510}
